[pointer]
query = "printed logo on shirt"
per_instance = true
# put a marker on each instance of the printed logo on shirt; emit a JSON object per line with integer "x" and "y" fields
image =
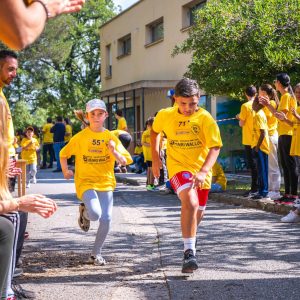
{"x": 95, "y": 159}
{"x": 185, "y": 144}
{"x": 195, "y": 129}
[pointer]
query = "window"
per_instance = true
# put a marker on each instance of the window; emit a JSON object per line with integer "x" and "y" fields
{"x": 189, "y": 12}
{"x": 108, "y": 61}
{"x": 124, "y": 46}
{"x": 155, "y": 31}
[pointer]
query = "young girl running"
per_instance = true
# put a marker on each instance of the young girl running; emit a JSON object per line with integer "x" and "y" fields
{"x": 95, "y": 149}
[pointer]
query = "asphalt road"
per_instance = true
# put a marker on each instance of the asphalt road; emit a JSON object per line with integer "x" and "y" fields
{"x": 243, "y": 253}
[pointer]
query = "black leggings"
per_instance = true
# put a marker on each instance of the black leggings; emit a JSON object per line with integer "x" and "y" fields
{"x": 6, "y": 245}
{"x": 288, "y": 164}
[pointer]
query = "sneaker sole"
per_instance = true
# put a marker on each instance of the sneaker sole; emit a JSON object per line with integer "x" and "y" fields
{"x": 189, "y": 267}
{"x": 83, "y": 223}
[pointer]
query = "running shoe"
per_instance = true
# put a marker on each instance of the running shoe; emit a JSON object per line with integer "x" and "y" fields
{"x": 274, "y": 195}
{"x": 83, "y": 222}
{"x": 97, "y": 260}
{"x": 291, "y": 217}
{"x": 283, "y": 198}
{"x": 189, "y": 264}
{"x": 260, "y": 197}
{"x": 297, "y": 203}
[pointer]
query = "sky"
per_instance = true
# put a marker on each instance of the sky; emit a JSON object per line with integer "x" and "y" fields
{"x": 124, "y": 3}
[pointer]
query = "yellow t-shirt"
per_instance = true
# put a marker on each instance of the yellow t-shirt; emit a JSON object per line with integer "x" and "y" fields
{"x": 271, "y": 119}
{"x": 246, "y": 115}
{"x": 287, "y": 102}
{"x": 295, "y": 146}
{"x": 68, "y": 130}
{"x": 218, "y": 172}
{"x": 29, "y": 154}
{"x": 122, "y": 124}
{"x": 47, "y": 135}
{"x": 10, "y": 128}
{"x": 146, "y": 149}
{"x": 260, "y": 122}
{"x": 189, "y": 139}
{"x": 138, "y": 150}
{"x": 94, "y": 163}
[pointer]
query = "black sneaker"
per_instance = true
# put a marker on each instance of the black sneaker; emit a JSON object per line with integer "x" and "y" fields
{"x": 189, "y": 262}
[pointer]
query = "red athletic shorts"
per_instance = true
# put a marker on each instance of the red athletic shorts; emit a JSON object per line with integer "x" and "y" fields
{"x": 182, "y": 181}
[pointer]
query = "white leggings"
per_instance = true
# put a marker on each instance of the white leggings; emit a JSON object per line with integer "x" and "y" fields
{"x": 274, "y": 171}
{"x": 99, "y": 206}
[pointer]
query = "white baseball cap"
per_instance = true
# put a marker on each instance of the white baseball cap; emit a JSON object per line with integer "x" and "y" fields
{"x": 95, "y": 104}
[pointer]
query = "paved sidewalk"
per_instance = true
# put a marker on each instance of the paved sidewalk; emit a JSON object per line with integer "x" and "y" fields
{"x": 229, "y": 197}
{"x": 243, "y": 253}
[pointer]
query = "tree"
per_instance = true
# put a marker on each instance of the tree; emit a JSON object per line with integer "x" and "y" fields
{"x": 235, "y": 43}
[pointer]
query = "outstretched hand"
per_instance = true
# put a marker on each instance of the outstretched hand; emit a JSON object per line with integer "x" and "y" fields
{"x": 36, "y": 203}
{"x": 57, "y": 7}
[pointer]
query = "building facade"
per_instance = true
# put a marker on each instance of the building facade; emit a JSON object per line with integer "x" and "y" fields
{"x": 137, "y": 66}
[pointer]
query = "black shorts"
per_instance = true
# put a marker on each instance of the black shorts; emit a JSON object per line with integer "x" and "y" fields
{"x": 149, "y": 163}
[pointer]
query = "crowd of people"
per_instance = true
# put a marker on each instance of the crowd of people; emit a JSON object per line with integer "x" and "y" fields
{"x": 183, "y": 137}
{"x": 271, "y": 136}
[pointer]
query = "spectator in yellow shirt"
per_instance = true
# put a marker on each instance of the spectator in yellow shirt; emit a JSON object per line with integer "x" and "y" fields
{"x": 47, "y": 144}
{"x": 219, "y": 181}
{"x": 146, "y": 143}
{"x": 245, "y": 118}
{"x": 122, "y": 124}
{"x": 29, "y": 146}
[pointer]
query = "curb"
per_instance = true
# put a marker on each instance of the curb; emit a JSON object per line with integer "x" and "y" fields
{"x": 265, "y": 205}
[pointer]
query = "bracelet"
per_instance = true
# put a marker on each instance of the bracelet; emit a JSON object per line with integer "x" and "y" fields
{"x": 48, "y": 14}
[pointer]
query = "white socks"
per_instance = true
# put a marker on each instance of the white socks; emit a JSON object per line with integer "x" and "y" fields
{"x": 189, "y": 243}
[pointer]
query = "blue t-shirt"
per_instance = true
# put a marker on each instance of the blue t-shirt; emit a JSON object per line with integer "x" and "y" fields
{"x": 58, "y": 130}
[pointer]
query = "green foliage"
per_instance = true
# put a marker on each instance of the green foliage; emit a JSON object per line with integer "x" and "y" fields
{"x": 236, "y": 43}
{"x": 61, "y": 70}
{"x": 21, "y": 115}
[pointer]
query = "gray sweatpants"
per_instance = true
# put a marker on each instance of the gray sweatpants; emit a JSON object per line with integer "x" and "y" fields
{"x": 99, "y": 207}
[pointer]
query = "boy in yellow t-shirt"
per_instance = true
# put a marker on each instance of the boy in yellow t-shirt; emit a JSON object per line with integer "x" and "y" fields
{"x": 245, "y": 118}
{"x": 193, "y": 145}
{"x": 47, "y": 144}
{"x": 148, "y": 155}
{"x": 261, "y": 147}
{"x": 29, "y": 146}
{"x": 95, "y": 149}
{"x": 219, "y": 181}
{"x": 122, "y": 124}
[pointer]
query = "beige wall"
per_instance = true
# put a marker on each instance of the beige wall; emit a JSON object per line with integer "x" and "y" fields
{"x": 145, "y": 63}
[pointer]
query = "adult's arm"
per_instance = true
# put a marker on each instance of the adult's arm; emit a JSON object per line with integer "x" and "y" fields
{"x": 34, "y": 203}
{"x": 21, "y": 25}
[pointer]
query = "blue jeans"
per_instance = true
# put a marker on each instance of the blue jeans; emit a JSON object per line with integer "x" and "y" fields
{"x": 262, "y": 170}
{"x": 57, "y": 147}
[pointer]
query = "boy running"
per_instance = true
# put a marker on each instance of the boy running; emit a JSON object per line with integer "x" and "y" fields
{"x": 194, "y": 143}
{"x": 95, "y": 149}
